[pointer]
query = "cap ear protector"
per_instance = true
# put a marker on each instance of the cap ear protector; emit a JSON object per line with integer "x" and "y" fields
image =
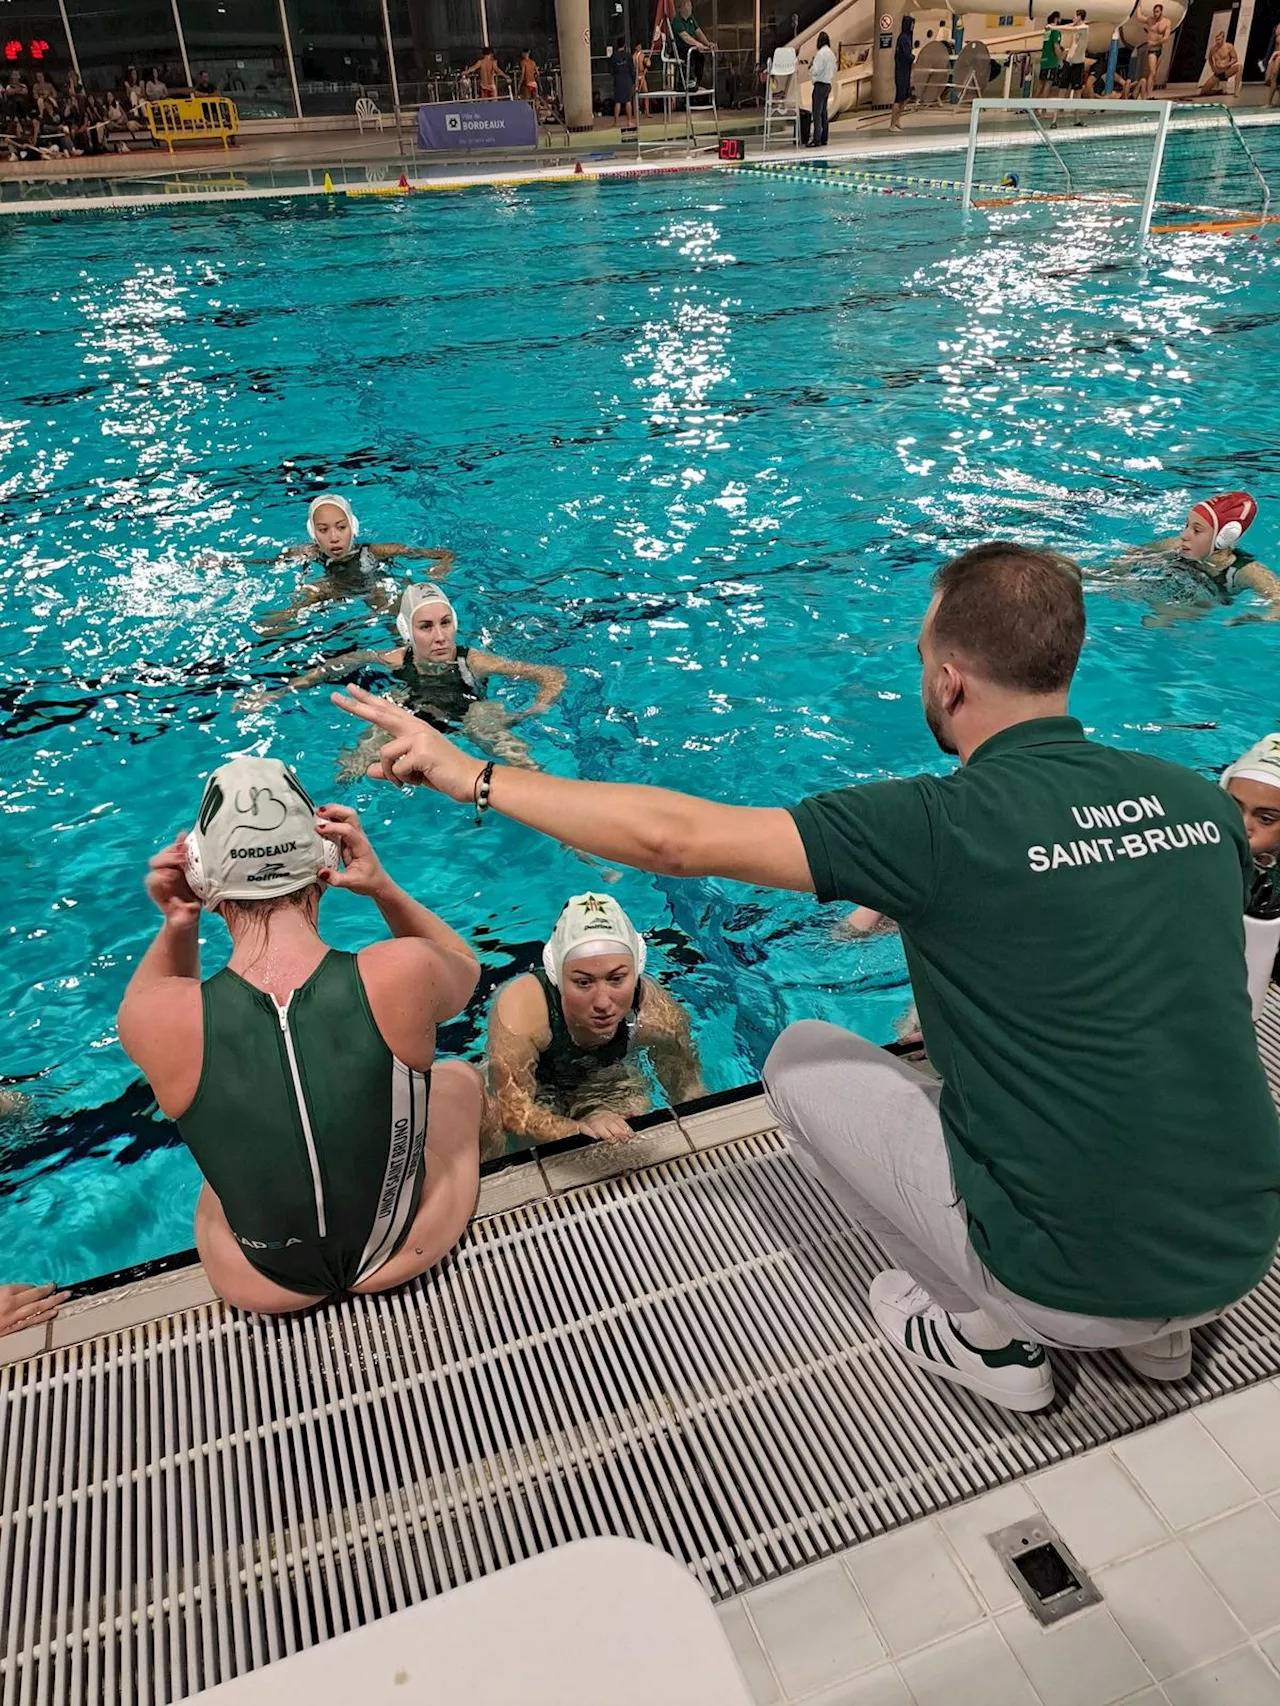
{"x": 194, "y": 865}
{"x": 1229, "y": 516}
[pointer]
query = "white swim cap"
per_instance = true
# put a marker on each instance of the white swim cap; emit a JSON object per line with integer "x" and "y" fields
{"x": 255, "y": 836}
{"x": 411, "y": 599}
{"x": 591, "y": 925}
{"x": 338, "y": 502}
{"x": 1260, "y": 764}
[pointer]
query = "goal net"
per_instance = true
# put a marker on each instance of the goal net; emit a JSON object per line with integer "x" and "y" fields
{"x": 1167, "y": 166}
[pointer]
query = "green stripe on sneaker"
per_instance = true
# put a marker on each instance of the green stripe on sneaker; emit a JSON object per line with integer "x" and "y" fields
{"x": 942, "y": 1349}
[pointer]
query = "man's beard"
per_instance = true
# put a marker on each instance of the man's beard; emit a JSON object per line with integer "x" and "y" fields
{"x": 934, "y": 716}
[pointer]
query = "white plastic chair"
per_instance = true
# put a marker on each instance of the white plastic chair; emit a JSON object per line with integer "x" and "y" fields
{"x": 368, "y": 111}
{"x": 782, "y": 92}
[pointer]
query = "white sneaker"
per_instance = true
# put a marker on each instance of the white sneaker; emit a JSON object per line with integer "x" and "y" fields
{"x": 1017, "y": 1376}
{"x": 1165, "y": 1358}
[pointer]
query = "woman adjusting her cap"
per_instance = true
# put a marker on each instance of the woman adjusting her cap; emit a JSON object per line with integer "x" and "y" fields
{"x": 347, "y": 569}
{"x": 338, "y": 1154}
{"x": 565, "y": 1040}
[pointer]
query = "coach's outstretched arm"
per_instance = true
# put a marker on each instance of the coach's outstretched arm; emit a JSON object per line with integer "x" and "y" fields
{"x": 650, "y": 828}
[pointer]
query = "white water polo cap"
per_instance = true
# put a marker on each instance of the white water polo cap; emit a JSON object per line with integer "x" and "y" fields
{"x": 338, "y": 502}
{"x": 412, "y": 598}
{"x": 255, "y": 836}
{"x": 591, "y": 926}
{"x": 1260, "y": 764}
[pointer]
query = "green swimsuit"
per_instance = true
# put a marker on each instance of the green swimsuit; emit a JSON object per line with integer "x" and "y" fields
{"x": 308, "y": 1129}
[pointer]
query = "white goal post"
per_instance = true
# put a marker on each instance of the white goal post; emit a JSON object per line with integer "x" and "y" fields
{"x": 1145, "y": 120}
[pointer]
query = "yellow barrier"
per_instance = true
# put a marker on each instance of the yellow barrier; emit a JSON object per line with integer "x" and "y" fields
{"x": 197, "y": 118}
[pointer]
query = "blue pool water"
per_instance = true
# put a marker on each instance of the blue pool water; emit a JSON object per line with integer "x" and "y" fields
{"x": 701, "y": 440}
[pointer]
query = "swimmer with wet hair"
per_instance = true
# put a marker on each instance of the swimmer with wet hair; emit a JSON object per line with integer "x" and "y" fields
{"x": 1253, "y": 782}
{"x": 565, "y": 1041}
{"x": 347, "y": 569}
{"x": 437, "y": 679}
{"x": 1210, "y": 567}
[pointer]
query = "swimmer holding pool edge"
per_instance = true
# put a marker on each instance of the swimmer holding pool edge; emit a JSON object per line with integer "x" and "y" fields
{"x": 564, "y": 1042}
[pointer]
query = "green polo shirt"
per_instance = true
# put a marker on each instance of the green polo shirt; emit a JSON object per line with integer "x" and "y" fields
{"x": 684, "y": 26}
{"x": 1072, "y": 922}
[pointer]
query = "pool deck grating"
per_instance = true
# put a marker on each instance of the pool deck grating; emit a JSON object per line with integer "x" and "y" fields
{"x": 681, "y": 1354}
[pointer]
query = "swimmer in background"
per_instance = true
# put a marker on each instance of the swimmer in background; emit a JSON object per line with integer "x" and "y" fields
{"x": 564, "y": 1042}
{"x": 1253, "y": 782}
{"x": 1212, "y": 566}
{"x": 439, "y": 680}
{"x": 348, "y": 570}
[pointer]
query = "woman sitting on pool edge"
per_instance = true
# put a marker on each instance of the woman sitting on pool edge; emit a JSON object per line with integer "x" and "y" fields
{"x": 564, "y": 1041}
{"x": 348, "y": 570}
{"x": 440, "y": 681}
{"x": 1213, "y": 566}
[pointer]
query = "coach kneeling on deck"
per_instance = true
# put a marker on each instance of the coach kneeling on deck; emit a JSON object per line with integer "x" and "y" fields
{"x": 1100, "y": 1166}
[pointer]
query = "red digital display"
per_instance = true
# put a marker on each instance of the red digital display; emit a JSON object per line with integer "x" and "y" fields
{"x": 15, "y": 49}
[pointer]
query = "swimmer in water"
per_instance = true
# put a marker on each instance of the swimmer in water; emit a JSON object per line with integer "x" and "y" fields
{"x": 564, "y": 1042}
{"x": 1210, "y": 566}
{"x": 1253, "y": 782}
{"x": 439, "y": 680}
{"x": 348, "y": 570}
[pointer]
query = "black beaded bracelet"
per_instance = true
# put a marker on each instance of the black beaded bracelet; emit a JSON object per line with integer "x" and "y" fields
{"x": 484, "y": 781}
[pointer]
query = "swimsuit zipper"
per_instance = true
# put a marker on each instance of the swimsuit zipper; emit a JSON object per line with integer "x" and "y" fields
{"x": 303, "y": 1114}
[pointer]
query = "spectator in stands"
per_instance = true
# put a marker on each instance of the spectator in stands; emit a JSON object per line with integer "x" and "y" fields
{"x": 624, "y": 83}
{"x": 1224, "y": 68}
{"x": 155, "y": 88}
{"x": 690, "y": 44}
{"x": 822, "y": 74}
{"x": 1057, "y": 1186}
{"x": 43, "y": 89}
{"x": 134, "y": 94}
{"x": 205, "y": 85}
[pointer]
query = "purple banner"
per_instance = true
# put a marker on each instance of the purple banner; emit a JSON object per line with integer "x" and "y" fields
{"x": 477, "y": 124}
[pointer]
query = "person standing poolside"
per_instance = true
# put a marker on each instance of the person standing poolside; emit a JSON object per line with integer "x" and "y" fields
{"x": 338, "y": 1154}
{"x": 1075, "y": 52}
{"x": 640, "y": 62}
{"x": 690, "y": 44}
{"x": 903, "y": 60}
{"x": 440, "y": 681}
{"x": 490, "y": 71}
{"x": 822, "y": 73}
{"x": 1272, "y": 72}
{"x": 1049, "y": 54}
{"x": 565, "y": 1042}
{"x": 347, "y": 570}
{"x": 528, "y": 78}
{"x": 1058, "y": 1186}
{"x": 624, "y": 83}
{"x": 1158, "y": 29}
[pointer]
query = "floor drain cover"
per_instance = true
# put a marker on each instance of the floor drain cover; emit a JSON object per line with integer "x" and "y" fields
{"x": 1043, "y": 1571}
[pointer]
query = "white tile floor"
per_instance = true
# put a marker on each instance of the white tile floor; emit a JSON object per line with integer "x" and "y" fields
{"x": 1175, "y": 1525}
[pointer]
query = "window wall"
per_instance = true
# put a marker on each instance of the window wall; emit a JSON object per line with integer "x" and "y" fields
{"x": 296, "y": 58}
{"x": 110, "y": 35}
{"x": 240, "y": 43}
